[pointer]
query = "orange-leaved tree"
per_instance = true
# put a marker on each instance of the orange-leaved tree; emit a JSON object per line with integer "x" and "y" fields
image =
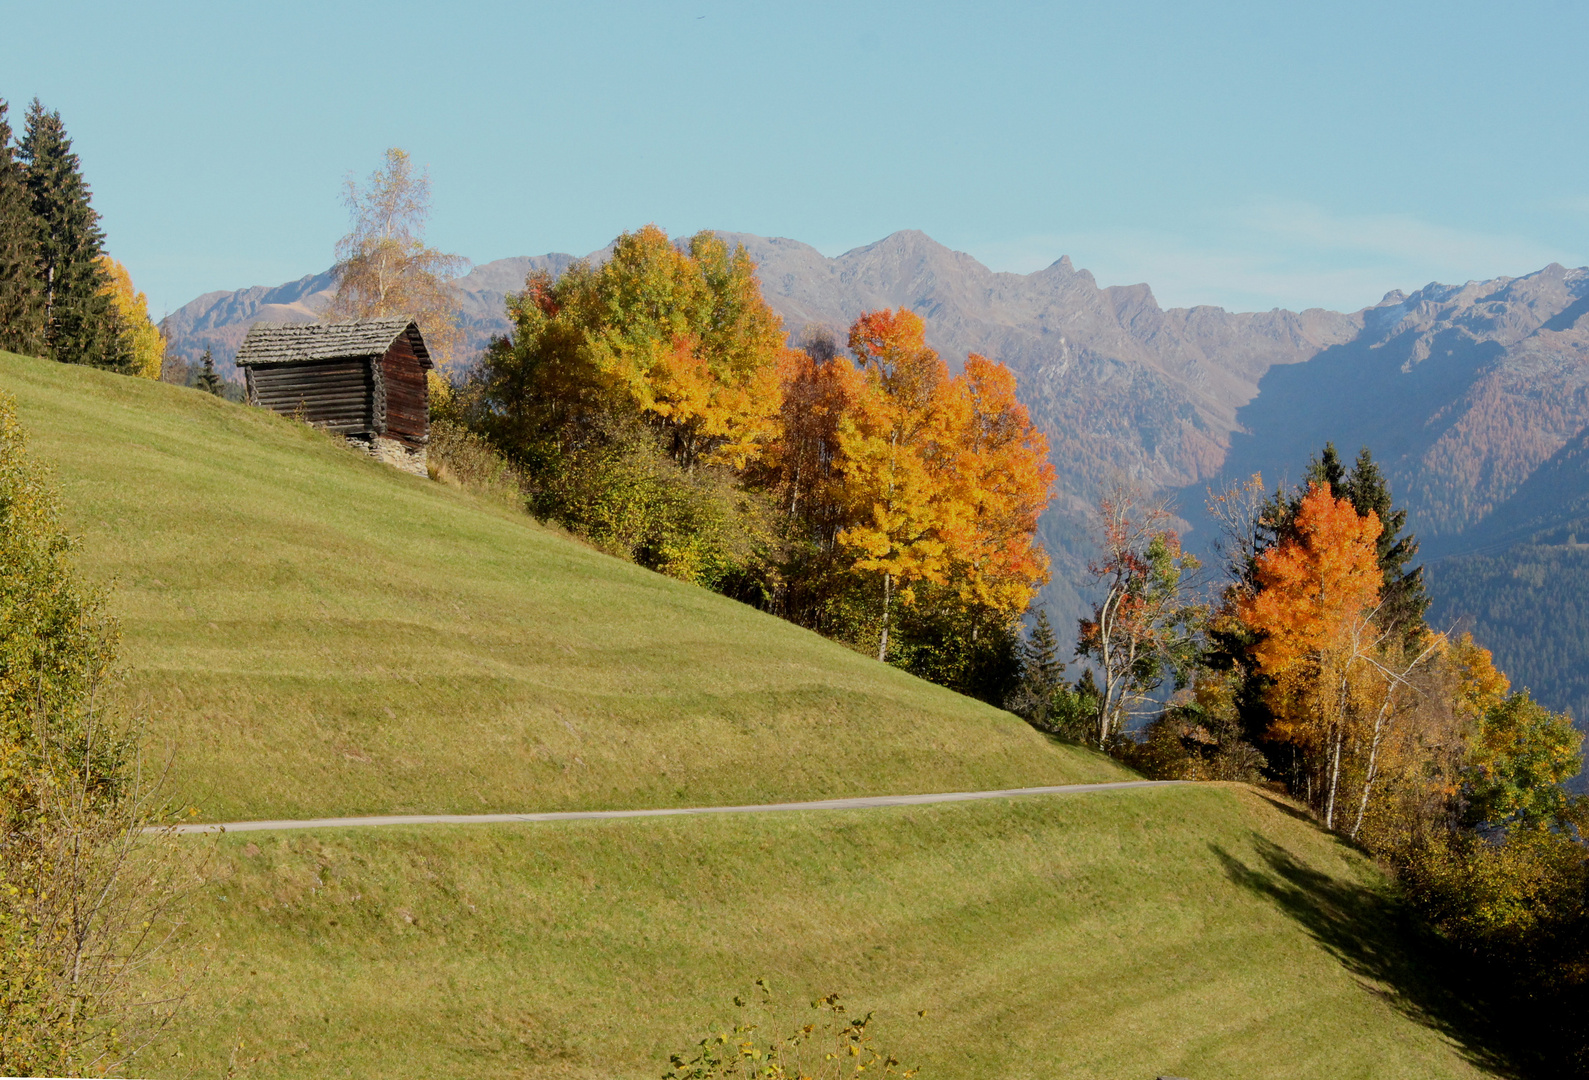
{"x": 801, "y": 465}
{"x": 896, "y": 456}
{"x": 1315, "y": 597}
{"x": 1003, "y": 481}
{"x": 942, "y": 479}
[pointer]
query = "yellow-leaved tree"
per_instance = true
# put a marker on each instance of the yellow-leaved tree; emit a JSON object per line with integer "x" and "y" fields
{"x": 896, "y": 457}
{"x": 944, "y": 478}
{"x": 141, "y": 339}
{"x": 636, "y": 394}
{"x": 384, "y": 267}
{"x": 679, "y": 339}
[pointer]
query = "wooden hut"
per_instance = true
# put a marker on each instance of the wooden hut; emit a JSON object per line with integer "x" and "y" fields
{"x": 364, "y": 380}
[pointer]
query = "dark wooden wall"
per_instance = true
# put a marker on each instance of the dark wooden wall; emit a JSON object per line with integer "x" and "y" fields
{"x": 407, "y": 394}
{"x": 338, "y": 395}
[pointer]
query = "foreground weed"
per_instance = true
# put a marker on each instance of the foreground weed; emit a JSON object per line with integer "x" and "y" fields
{"x": 830, "y": 1047}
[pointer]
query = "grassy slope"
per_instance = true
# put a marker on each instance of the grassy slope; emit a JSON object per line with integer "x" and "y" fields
{"x": 1195, "y": 931}
{"x": 321, "y": 634}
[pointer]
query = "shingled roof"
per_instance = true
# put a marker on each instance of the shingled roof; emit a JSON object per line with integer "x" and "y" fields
{"x": 286, "y": 343}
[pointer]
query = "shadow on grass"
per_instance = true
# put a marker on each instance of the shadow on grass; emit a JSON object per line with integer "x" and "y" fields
{"x": 1286, "y": 808}
{"x": 1381, "y": 942}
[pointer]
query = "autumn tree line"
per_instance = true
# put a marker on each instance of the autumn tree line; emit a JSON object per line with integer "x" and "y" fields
{"x": 652, "y": 405}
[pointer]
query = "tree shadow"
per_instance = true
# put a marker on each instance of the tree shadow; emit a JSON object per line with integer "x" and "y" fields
{"x": 1380, "y": 941}
{"x": 1286, "y": 808}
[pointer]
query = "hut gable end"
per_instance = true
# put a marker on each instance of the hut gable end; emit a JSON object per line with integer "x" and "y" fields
{"x": 364, "y": 379}
{"x": 407, "y": 397}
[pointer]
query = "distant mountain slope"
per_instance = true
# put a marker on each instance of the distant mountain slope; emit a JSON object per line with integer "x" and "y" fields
{"x": 1522, "y": 581}
{"x": 1475, "y": 399}
{"x": 1118, "y": 383}
{"x": 1462, "y": 392}
{"x": 1525, "y": 602}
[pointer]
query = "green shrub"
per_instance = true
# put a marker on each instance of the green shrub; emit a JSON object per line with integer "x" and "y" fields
{"x": 625, "y": 495}
{"x": 85, "y": 896}
{"x": 456, "y": 455}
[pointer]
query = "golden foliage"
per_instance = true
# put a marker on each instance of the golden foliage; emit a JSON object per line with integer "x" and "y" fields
{"x": 943, "y": 478}
{"x": 140, "y": 337}
{"x": 383, "y": 266}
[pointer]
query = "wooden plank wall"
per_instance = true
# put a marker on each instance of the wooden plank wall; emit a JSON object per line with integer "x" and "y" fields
{"x": 338, "y": 395}
{"x": 407, "y": 394}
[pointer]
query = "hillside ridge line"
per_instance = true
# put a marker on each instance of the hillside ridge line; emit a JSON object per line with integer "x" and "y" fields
{"x": 855, "y": 803}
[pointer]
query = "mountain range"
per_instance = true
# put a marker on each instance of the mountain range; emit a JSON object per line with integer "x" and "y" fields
{"x": 1474, "y": 398}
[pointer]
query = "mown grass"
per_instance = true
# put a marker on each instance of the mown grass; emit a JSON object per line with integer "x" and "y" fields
{"x": 1193, "y": 931}
{"x": 318, "y": 634}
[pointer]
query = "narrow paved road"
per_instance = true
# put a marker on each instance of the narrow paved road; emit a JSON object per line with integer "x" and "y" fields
{"x": 596, "y": 815}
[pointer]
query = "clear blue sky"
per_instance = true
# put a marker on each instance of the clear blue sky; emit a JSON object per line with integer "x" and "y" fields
{"x": 1245, "y": 154}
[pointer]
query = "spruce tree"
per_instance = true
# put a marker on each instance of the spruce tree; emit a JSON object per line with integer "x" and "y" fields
{"x": 1040, "y": 663}
{"x": 1404, "y": 598}
{"x": 1278, "y": 516}
{"x": 21, "y": 303}
{"x": 209, "y": 382}
{"x": 1327, "y": 469}
{"x": 79, "y": 321}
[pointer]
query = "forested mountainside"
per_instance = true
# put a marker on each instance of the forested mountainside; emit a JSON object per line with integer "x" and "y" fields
{"x": 1475, "y": 399}
{"x": 1471, "y": 396}
{"x": 1462, "y": 392}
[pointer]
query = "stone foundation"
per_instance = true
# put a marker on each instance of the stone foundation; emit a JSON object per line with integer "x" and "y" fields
{"x": 391, "y": 452}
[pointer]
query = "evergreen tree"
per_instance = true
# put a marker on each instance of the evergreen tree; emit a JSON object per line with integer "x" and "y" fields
{"x": 80, "y": 323}
{"x": 209, "y": 382}
{"x": 1326, "y": 469}
{"x": 21, "y": 304}
{"x": 1404, "y": 598}
{"x": 1278, "y": 516}
{"x": 1040, "y": 662}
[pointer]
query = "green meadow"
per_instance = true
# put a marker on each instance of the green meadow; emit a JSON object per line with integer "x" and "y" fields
{"x": 314, "y": 633}
{"x": 311, "y": 633}
{"x": 1198, "y": 932}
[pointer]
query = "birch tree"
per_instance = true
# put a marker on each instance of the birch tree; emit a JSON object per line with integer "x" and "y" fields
{"x": 1313, "y": 606}
{"x": 384, "y": 267}
{"x": 1143, "y": 629}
